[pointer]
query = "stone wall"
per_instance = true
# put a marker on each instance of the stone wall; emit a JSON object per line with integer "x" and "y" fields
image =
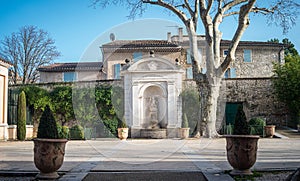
{"x": 258, "y": 98}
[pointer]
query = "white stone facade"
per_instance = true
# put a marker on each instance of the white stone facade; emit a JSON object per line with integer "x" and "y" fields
{"x": 153, "y": 79}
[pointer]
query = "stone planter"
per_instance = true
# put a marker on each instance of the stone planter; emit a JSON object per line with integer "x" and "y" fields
{"x": 49, "y": 156}
{"x": 184, "y": 133}
{"x": 269, "y": 131}
{"x": 241, "y": 153}
{"x": 123, "y": 133}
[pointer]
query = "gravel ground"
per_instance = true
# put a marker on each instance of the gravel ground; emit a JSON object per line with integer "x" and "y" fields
{"x": 268, "y": 176}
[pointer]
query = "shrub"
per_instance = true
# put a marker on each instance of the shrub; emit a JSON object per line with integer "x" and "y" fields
{"x": 257, "y": 126}
{"x": 63, "y": 131}
{"x": 21, "y": 124}
{"x": 47, "y": 127}
{"x": 77, "y": 132}
{"x": 241, "y": 126}
{"x": 122, "y": 123}
{"x": 185, "y": 123}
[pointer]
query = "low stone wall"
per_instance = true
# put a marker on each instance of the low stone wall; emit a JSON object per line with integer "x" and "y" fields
{"x": 12, "y": 132}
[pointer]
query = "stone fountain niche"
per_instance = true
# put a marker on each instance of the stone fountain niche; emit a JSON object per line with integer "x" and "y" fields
{"x": 152, "y": 103}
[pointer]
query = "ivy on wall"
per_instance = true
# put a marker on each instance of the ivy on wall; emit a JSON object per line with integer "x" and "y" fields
{"x": 88, "y": 107}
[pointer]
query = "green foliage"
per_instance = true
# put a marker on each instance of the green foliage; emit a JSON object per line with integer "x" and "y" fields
{"x": 66, "y": 102}
{"x": 122, "y": 123}
{"x": 37, "y": 99}
{"x": 289, "y": 49}
{"x": 103, "y": 102}
{"x": 61, "y": 98}
{"x": 85, "y": 111}
{"x": 241, "y": 126}
{"x": 63, "y": 131}
{"x": 111, "y": 125}
{"x": 286, "y": 84}
{"x": 47, "y": 127}
{"x": 21, "y": 124}
{"x": 118, "y": 100}
{"x": 77, "y": 132}
{"x": 185, "y": 122}
{"x": 257, "y": 126}
{"x": 191, "y": 106}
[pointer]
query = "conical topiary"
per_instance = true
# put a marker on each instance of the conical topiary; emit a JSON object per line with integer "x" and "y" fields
{"x": 47, "y": 126}
{"x": 241, "y": 126}
{"x": 21, "y": 124}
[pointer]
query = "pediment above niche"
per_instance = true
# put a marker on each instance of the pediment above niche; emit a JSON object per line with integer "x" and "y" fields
{"x": 152, "y": 64}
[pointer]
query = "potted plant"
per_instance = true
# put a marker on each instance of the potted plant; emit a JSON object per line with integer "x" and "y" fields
{"x": 270, "y": 131}
{"x": 241, "y": 147}
{"x": 122, "y": 130}
{"x": 49, "y": 146}
{"x": 184, "y": 130}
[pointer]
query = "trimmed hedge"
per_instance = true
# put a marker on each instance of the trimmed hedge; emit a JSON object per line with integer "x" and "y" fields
{"x": 77, "y": 133}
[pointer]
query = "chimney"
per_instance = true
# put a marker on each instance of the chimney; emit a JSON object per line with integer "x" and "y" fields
{"x": 180, "y": 35}
{"x": 169, "y": 36}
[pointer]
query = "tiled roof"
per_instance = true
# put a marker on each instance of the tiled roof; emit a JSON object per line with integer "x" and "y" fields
{"x": 82, "y": 66}
{"x": 5, "y": 63}
{"x": 125, "y": 45}
{"x": 253, "y": 43}
{"x": 138, "y": 43}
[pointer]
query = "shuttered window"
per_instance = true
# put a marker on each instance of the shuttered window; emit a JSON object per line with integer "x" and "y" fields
{"x": 247, "y": 56}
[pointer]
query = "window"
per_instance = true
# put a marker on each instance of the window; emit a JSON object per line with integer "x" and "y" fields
{"x": 137, "y": 56}
{"x": 225, "y": 53}
{"x": 189, "y": 73}
{"x": 247, "y": 56}
{"x": 188, "y": 56}
{"x": 117, "y": 69}
{"x": 70, "y": 76}
{"x": 230, "y": 73}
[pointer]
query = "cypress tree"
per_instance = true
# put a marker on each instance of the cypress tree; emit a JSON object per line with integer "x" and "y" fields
{"x": 21, "y": 119}
{"x": 47, "y": 127}
{"x": 241, "y": 126}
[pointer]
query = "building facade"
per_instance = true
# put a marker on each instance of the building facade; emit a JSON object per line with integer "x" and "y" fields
{"x": 138, "y": 63}
{"x": 4, "y": 66}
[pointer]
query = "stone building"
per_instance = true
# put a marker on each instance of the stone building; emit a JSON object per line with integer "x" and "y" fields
{"x": 70, "y": 72}
{"x": 160, "y": 70}
{"x": 4, "y": 66}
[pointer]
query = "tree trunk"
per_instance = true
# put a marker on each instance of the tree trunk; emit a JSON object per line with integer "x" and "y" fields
{"x": 210, "y": 109}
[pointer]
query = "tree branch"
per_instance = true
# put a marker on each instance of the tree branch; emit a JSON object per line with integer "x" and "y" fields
{"x": 170, "y": 7}
{"x": 243, "y": 24}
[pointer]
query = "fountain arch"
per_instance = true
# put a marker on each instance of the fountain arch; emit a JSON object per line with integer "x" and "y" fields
{"x": 152, "y": 88}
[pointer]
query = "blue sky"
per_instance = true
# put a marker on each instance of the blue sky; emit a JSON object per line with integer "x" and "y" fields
{"x": 79, "y": 30}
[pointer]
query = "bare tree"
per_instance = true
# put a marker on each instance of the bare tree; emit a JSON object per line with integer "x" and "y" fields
{"x": 28, "y": 49}
{"x": 212, "y": 13}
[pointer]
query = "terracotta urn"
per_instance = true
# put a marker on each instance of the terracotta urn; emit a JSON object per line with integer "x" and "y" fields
{"x": 122, "y": 133}
{"x": 49, "y": 156}
{"x": 269, "y": 131}
{"x": 241, "y": 153}
{"x": 184, "y": 133}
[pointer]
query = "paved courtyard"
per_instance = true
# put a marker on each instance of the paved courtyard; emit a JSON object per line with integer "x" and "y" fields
{"x": 111, "y": 155}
